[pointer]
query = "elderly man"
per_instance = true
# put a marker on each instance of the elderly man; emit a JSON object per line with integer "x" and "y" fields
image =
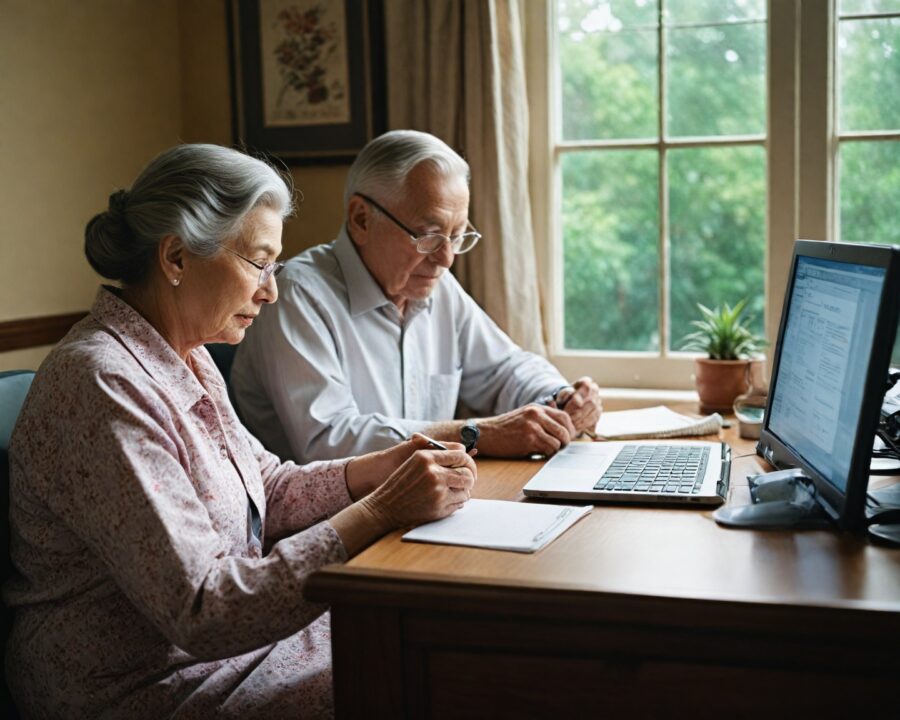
{"x": 373, "y": 339}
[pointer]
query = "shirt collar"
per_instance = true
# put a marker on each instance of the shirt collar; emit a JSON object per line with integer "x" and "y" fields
{"x": 151, "y": 350}
{"x": 363, "y": 292}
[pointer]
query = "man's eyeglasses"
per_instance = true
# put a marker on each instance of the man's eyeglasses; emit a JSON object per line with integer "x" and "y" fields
{"x": 427, "y": 243}
{"x": 265, "y": 271}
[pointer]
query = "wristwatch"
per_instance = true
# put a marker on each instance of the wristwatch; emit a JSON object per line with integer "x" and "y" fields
{"x": 468, "y": 435}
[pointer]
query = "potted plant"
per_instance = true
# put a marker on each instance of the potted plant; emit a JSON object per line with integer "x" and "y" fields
{"x": 729, "y": 344}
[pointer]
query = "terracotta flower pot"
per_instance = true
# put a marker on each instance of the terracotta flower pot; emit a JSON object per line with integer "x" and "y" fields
{"x": 719, "y": 382}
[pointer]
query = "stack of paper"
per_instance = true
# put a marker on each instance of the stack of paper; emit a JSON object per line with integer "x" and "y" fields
{"x": 654, "y": 422}
{"x": 501, "y": 525}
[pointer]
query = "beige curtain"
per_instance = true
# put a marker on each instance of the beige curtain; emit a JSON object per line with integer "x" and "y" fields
{"x": 456, "y": 68}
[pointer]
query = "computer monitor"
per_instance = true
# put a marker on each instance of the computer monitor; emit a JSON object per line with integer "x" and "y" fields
{"x": 829, "y": 375}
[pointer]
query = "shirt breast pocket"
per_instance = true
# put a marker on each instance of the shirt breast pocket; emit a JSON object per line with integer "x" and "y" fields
{"x": 443, "y": 392}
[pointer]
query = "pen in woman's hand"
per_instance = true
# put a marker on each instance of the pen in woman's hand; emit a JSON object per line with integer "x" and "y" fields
{"x": 435, "y": 444}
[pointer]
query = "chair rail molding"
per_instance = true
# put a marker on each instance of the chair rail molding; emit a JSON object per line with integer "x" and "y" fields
{"x": 36, "y": 331}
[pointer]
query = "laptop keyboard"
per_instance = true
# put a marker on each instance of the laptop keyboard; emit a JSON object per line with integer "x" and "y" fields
{"x": 656, "y": 469}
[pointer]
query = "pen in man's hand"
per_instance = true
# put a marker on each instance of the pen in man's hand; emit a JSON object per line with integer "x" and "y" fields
{"x": 552, "y": 398}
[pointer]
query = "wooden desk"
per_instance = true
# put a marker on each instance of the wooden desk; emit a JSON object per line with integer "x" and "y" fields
{"x": 634, "y": 612}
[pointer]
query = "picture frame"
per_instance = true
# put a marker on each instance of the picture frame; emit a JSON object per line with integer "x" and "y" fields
{"x": 308, "y": 80}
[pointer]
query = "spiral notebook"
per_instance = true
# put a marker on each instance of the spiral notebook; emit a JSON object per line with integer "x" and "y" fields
{"x": 654, "y": 422}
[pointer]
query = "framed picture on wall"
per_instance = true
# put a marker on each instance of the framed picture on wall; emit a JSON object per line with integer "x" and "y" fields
{"x": 307, "y": 77}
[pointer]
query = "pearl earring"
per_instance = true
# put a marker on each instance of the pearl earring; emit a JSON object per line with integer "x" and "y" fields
{"x": 175, "y": 281}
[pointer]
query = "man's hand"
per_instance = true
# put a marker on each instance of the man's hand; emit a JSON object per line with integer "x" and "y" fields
{"x": 582, "y": 403}
{"x": 525, "y": 431}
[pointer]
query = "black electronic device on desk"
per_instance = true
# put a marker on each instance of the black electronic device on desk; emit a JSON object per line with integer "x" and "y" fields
{"x": 883, "y": 504}
{"x": 837, "y": 331}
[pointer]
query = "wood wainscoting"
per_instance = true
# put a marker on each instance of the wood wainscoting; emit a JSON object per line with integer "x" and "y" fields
{"x": 36, "y": 332}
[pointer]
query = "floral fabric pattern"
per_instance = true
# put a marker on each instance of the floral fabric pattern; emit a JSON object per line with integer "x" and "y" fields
{"x": 141, "y": 590}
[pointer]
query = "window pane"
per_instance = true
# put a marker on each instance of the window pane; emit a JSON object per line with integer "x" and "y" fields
{"x": 716, "y": 80}
{"x": 717, "y": 212}
{"x": 869, "y": 62}
{"x": 610, "y": 230}
{"x": 590, "y": 15}
{"x": 609, "y": 82}
{"x": 870, "y": 192}
{"x": 696, "y": 11}
{"x": 868, "y": 6}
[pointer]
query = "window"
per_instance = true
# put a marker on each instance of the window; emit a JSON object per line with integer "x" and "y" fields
{"x": 685, "y": 145}
{"x": 868, "y": 120}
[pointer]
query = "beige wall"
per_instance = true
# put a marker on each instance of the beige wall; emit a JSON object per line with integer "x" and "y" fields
{"x": 90, "y": 90}
{"x": 206, "y": 104}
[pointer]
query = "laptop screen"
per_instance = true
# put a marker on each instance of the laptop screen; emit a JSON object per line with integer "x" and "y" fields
{"x": 830, "y": 368}
{"x": 821, "y": 376}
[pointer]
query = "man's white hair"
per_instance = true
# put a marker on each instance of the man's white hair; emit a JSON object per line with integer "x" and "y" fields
{"x": 382, "y": 166}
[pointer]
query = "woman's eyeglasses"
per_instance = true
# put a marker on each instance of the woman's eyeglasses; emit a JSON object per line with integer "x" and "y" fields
{"x": 265, "y": 271}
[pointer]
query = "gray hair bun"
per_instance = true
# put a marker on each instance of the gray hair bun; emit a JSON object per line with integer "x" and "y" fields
{"x": 118, "y": 201}
{"x": 108, "y": 243}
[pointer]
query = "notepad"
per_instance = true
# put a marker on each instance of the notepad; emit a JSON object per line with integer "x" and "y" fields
{"x": 654, "y": 422}
{"x": 501, "y": 525}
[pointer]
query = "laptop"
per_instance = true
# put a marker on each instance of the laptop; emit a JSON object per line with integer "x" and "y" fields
{"x": 636, "y": 471}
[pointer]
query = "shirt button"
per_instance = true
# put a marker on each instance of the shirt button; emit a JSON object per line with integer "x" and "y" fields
{"x": 223, "y": 451}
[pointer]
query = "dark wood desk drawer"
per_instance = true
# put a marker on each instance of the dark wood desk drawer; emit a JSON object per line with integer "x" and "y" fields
{"x": 559, "y": 658}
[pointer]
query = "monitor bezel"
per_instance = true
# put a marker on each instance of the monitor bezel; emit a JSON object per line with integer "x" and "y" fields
{"x": 846, "y": 509}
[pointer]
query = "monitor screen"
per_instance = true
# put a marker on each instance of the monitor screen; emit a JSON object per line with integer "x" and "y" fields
{"x": 822, "y": 372}
{"x": 830, "y": 368}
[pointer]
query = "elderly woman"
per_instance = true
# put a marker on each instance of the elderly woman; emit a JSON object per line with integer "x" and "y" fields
{"x": 162, "y": 552}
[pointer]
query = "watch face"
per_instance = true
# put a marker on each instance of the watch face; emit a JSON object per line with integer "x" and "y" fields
{"x": 469, "y": 435}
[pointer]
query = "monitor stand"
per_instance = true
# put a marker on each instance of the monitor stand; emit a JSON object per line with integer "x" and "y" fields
{"x": 780, "y": 500}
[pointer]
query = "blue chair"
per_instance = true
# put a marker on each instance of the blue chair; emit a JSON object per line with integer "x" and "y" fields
{"x": 14, "y": 386}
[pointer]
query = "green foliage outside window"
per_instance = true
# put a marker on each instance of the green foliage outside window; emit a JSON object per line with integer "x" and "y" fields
{"x": 715, "y": 86}
{"x": 610, "y": 203}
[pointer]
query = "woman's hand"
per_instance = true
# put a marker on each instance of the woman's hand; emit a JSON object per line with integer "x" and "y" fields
{"x": 429, "y": 485}
{"x": 366, "y": 472}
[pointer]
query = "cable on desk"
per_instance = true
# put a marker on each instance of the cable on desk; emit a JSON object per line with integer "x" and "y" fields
{"x": 738, "y": 457}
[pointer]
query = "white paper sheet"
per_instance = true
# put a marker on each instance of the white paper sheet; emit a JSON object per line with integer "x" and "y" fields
{"x": 654, "y": 422}
{"x": 501, "y": 525}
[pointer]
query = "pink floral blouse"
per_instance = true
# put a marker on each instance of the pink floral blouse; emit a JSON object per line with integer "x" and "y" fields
{"x": 141, "y": 590}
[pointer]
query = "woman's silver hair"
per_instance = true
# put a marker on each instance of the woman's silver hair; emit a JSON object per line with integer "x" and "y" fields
{"x": 382, "y": 166}
{"x": 200, "y": 193}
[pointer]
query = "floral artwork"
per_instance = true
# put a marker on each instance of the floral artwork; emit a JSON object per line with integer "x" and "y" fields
{"x": 308, "y": 77}
{"x": 304, "y": 62}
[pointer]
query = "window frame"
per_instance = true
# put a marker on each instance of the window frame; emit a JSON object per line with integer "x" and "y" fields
{"x": 801, "y": 152}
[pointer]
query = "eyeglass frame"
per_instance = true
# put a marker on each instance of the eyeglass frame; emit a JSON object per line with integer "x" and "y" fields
{"x": 269, "y": 270}
{"x": 417, "y": 238}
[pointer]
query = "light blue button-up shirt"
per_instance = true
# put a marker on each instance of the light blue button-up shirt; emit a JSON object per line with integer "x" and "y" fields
{"x": 333, "y": 369}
